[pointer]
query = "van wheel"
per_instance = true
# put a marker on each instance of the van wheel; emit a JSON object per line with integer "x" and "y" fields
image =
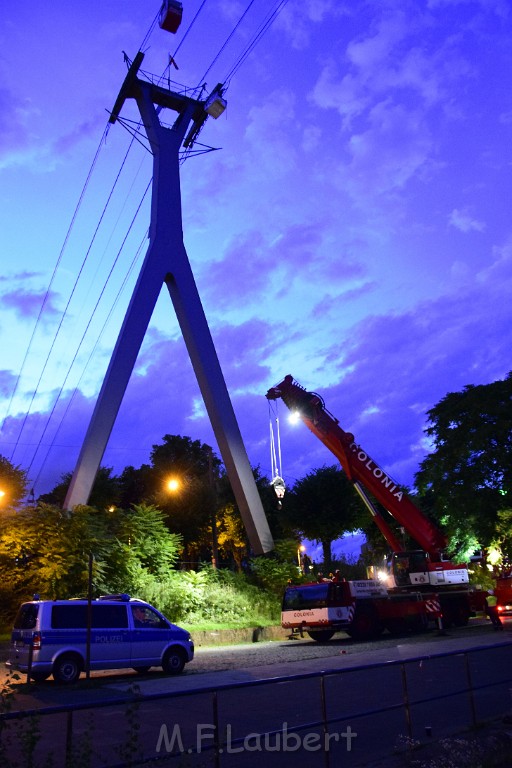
{"x": 66, "y": 669}
{"x": 142, "y": 670}
{"x": 173, "y": 661}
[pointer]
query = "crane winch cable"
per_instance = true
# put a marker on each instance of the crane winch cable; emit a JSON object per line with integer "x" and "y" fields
{"x": 277, "y": 481}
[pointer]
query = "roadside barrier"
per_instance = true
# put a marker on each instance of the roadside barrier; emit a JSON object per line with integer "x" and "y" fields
{"x": 337, "y": 717}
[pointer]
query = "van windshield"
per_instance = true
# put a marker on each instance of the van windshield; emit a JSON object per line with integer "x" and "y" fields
{"x": 26, "y": 618}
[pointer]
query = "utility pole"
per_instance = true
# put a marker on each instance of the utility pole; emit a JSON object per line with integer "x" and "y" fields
{"x": 213, "y": 514}
{"x": 166, "y": 262}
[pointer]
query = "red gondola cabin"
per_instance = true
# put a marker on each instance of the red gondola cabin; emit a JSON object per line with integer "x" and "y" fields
{"x": 171, "y": 14}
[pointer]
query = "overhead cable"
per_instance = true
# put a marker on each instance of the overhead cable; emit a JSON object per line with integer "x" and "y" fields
{"x": 54, "y": 273}
{"x": 91, "y": 355}
{"x": 88, "y": 325}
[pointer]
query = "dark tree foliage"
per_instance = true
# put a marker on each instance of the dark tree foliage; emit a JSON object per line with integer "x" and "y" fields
{"x": 468, "y": 476}
{"x": 136, "y": 485}
{"x": 105, "y": 491}
{"x": 13, "y": 483}
{"x": 322, "y": 506}
{"x": 202, "y": 493}
{"x": 183, "y": 456}
{"x": 45, "y": 549}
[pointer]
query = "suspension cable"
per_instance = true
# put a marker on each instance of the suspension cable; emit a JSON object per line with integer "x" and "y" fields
{"x": 88, "y": 325}
{"x": 91, "y": 355}
{"x": 227, "y": 40}
{"x": 65, "y": 312}
{"x": 264, "y": 27}
{"x": 52, "y": 279}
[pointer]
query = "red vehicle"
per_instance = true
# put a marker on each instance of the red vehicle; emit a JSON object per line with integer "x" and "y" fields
{"x": 503, "y": 592}
{"x": 363, "y": 609}
{"x": 425, "y": 570}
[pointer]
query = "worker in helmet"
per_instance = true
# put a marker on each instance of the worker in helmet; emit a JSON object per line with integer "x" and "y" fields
{"x": 492, "y": 610}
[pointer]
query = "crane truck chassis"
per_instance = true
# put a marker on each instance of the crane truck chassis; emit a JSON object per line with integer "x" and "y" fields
{"x": 363, "y": 609}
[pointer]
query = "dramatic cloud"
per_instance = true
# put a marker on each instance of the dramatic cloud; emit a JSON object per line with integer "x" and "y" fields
{"x": 28, "y": 304}
{"x": 354, "y": 229}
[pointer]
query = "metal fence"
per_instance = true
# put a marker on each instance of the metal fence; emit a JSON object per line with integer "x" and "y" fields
{"x": 337, "y": 717}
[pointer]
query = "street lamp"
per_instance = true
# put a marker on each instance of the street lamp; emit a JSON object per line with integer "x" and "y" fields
{"x": 174, "y": 485}
{"x": 300, "y": 552}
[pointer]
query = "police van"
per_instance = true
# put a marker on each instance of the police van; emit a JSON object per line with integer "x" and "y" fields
{"x": 59, "y": 638}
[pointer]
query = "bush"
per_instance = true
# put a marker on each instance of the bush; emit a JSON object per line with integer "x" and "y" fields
{"x": 210, "y": 596}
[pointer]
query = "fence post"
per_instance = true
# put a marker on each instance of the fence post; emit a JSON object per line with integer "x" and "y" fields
{"x": 216, "y": 735}
{"x": 470, "y": 691}
{"x": 69, "y": 737}
{"x": 407, "y": 703}
{"x": 324, "y": 717}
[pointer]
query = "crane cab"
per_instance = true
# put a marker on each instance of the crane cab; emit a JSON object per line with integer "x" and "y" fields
{"x": 171, "y": 14}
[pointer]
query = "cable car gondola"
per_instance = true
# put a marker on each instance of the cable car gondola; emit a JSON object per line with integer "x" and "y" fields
{"x": 171, "y": 14}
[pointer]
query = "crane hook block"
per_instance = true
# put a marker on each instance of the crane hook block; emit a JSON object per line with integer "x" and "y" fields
{"x": 171, "y": 14}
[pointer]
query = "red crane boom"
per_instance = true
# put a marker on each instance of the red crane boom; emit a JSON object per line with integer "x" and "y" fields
{"x": 361, "y": 468}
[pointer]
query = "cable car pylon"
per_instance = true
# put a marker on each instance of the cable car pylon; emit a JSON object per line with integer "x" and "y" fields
{"x": 166, "y": 262}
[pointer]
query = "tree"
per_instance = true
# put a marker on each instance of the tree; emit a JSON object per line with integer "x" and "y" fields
{"x": 469, "y": 472}
{"x": 46, "y": 549}
{"x": 231, "y": 535}
{"x": 322, "y": 506}
{"x": 13, "y": 483}
{"x": 105, "y": 491}
{"x": 183, "y": 456}
{"x": 145, "y": 543}
{"x": 135, "y": 485}
{"x": 190, "y": 504}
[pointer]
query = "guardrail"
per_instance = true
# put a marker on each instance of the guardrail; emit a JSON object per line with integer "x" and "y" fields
{"x": 334, "y": 717}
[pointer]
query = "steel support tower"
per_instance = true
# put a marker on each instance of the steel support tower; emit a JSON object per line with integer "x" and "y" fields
{"x": 166, "y": 262}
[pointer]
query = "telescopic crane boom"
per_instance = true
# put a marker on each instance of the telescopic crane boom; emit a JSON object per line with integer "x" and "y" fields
{"x": 360, "y": 467}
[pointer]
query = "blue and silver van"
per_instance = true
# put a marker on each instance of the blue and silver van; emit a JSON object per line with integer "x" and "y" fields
{"x": 58, "y": 637}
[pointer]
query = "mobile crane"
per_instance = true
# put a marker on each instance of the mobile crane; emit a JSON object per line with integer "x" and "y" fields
{"x": 424, "y": 573}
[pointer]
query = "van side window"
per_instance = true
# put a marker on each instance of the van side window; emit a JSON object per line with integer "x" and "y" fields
{"x": 103, "y": 616}
{"x": 26, "y": 617}
{"x": 109, "y": 617}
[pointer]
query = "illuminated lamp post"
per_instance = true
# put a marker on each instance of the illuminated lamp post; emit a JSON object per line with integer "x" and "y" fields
{"x": 300, "y": 553}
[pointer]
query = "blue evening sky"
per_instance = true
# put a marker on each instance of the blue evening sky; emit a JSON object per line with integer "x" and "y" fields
{"x": 353, "y": 229}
